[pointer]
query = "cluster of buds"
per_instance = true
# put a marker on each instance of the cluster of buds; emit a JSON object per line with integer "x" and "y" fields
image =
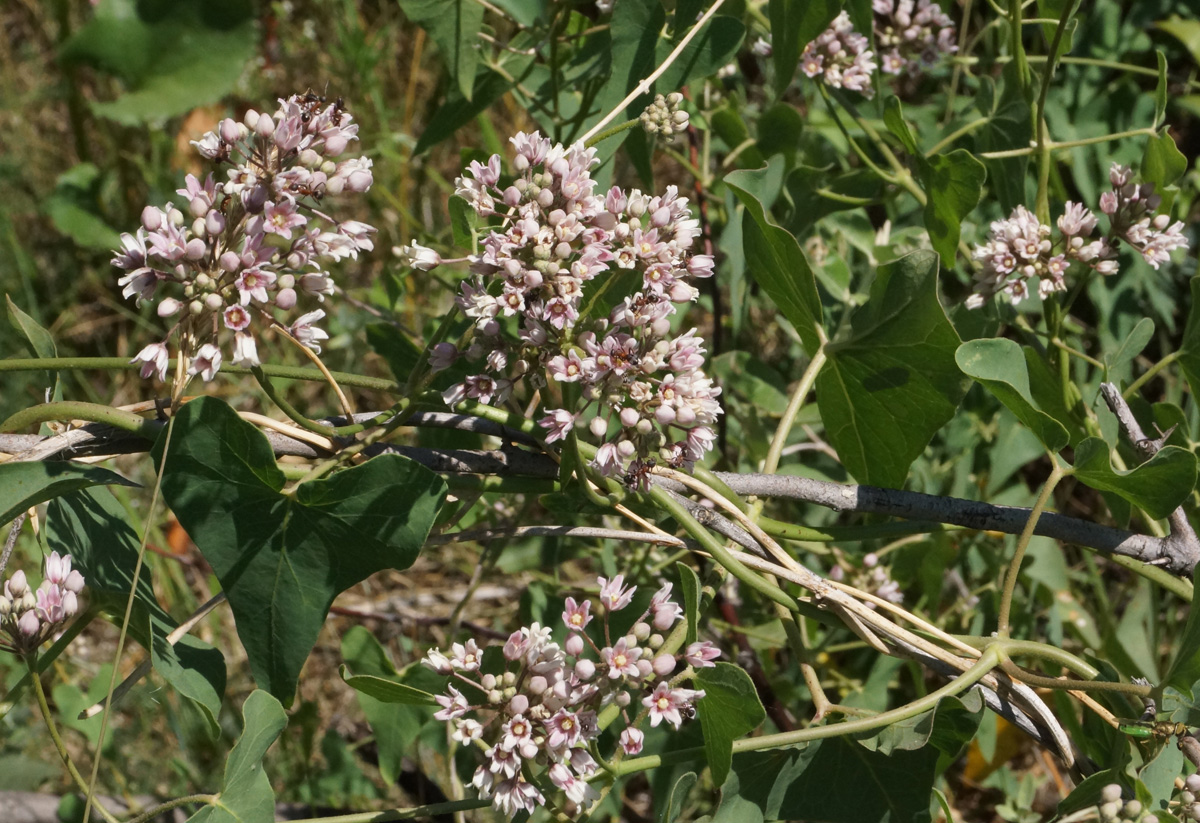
{"x": 841, "y": 57}
{"x": 911, "y": 34}
{"x": 242, "y": 250}
{"x": 27, "y": 616}
{"x": 1021, "y": 250}
{"x": 664, "y": 117}
{"x": 1189, "y": 798}
{"x": 541, "y": 710}
{"x": 642, "y": 392}
{"x": 1113, "y": 809}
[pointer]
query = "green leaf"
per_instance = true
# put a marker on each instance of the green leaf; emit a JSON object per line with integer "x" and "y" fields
{"x": 37, "y": 340}
{"x": 1160, "y": 89}
{"x": 1186, "y": 31}
{"x": 1185, "y": 665}
{"x": 778, "y": 262}
{"x": 454, "y": 25}
{"x": 93, "y": 528}
{"x": 891, "y": 381}
{"x": 729, "y": 709}
{"x": 1189, "y": 349}
{"x": 246, "y": 795}
{"x": 838, "y": 781}
{"x": 953, "y": 184}
{"x": 678, "y": 797}
{"x": 283, "y": 558}
{"x": 458, "y": 110}
{"x": 1158, "y": 486}
{"x": 712, "y": 47}
{"x": 396, "y": 725}
{"x": 999, "y": 365}
{"x": 463, "y": 219}
{"x": 1162, "y": 162}
{"x": 1009, "y": 126}
{"x": 387, "y": 691}
{"x": 84, "y": 227}
{"x": 893, "y": 118}
{"x": 189, "y": 56}
{"x": 1131, "y": 346}
{"x": 26, "y": 484}
{"x": 949, "y": 726}
{"x": 635, "y": 29}
{"x": 794, "y": 24}
{"x": 689, "y": 586}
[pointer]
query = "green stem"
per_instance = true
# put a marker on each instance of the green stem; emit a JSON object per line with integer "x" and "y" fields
{"x": 1076, "y": 61}
{"x": 121, "y": 364}
{"x": 862, "y": 155}
{"x": 843, "y": 198}
{"x": 1043, "y": 191}
{"x": 1183, "y": 589}
{"x": 287, "y": 408}
{"x": 146, "y": 817}
{"x": 717, "y": 549}
{"x": 1010, "y": 579}
{"x": 961, "y": 131}
{"x": 43, "y": 704}
{"x": 1149, "y": 374}
{"x": 838, "y": 534}
{"x": 1076, "y": 353}
{"x": 1018, "y": 46}
{"x": 581, "y": 475}
{"x": 92, "y": 412}
{"x": 989, "y": 660}
{"x": 784, "y": 429}
{"x": 1068, "y": 144}
{"x": 431, "y": 811}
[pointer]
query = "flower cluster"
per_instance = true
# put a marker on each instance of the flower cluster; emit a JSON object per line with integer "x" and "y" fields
{"x": 870, "y": 577}
{"x": 643, "y": 392}
{"x": 911, "y": 34}
{"x": 1189, "y": 798}
{"x": 1113, "y": 809}
{"x": 243, "y": 248}
{"x": 664, "y": 116}
{"x": 840, "y": 57}
{"x": 27, "y": 616}
{"x": 1021, "y": 250}
{"x": 542, "y": 708}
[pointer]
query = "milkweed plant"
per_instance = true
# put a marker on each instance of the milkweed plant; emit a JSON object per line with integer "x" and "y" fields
{"x": 766, "y": 411}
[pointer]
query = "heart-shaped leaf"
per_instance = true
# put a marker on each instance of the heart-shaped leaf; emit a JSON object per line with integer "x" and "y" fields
{"x": 246, "y": 795}
{"x": 1158, "y": 486}
{"x": 729, "y": 709}
{"x": 27, "y": 484}
{"x": 999, "y": 364}
{"x": 283, "y": 558}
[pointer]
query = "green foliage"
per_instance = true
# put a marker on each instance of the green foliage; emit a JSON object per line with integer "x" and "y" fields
{"x": 729, "y": 709}
{"x": 891, "y": 381}
{"x": 24, "y": 485}
{"x": 454, "y": 26}
{"x": 283, "y": 557}
{"x": 1000, "y": 366}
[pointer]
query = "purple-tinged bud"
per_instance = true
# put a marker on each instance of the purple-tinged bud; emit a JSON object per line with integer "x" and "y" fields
{"x": 664, "y": 664}
{"x": 529, "y": 750}
{"x": 230, "y": 262}
{"x": 309, "y": 159}
{"x": 520, "y": 163}
{"x": 573, "y": 645}
{"x": 264, "y": 126}
{"x": 1161, "y": 221}
{"x": 488, "y": 681}
{"x": 626, "y": 449}
{"x": 213, "y": 301}
{"x": 335, "y": 144}
{"x": 661, "y": 217}
{"x": 519, "y": 704}
{"x": 585, "y": 669}
{"x": 29, "y": 625}
{"x": 195, "y": 249}
{"x": 255, "y": 199}
{"x": 512, "y": 197}
{"x": 286, "y": 299}
{"x": 685, "y": 415}
{"x": 335, "y": 185}
{"x": 645, "y": 667}
{"x": 870, "y": 560}
{"x": 169, "y": 307}
{"x": 665, "y": 415}
{"x": 537, "y": 685}
{"x": 17, "y": 584}
{"x": 1192, "y": 783}
{"x": 152, "y": 218}
{"x": 623, "y": 699}
{"x": 630, "y": 417}
{"x": 545, "y": 198}
{"x": 214, "y": 223}
{"x": 70, "y": 604}
{"x": 229, "y": 130}
{"x": 74, "y": 582}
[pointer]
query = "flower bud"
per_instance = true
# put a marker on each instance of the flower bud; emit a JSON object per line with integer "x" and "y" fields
{"x": 645, "y": 667}
{"x": 285, "y": 298}
{"x": 254, "y": 199}
{"x": 495, "y": 696}
{"x": 488, "y": 681}
{"x": 195, "y": 249}
{"x": 641, "y": 630}
{"x": 264, "y": 126}
{"x": 175, "y": 216}
{"x": 199, "y": 227}
{"x": 230, "y": 261}
{"x": 598, "y": 427}
{"x": 519, "y": 704}
{"x": 664, "y": 664}
{"x": 537, "y": 685}
{"x": 1193, "y": 783}
{"x": 29, "y": 625}
{"x": 626, "y": 449}
{"x": 335, "y": 185}
{"x": 213, "y": 301}
{"x": 508, "y": 679}
{"x": 17, "y": 584}
{"x": 152, "y": 218}
{"x": 585, "y": 669}
{"x": 70, "y": 603}
{"x": 196, "y": 308}
{"x": 74, "y": 582}
{"x": 5, "y": 606}
{"x": 573, "y": 645}
{"x": 169, "y": 306}
{"x": 623, "y": 699}
{"x": 214, "y": 223}
{"x": 250, "y": 119}
{"x": 629, "y": 417}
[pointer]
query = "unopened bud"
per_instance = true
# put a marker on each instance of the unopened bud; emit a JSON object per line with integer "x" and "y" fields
{"x": 585, "y": 669}
{"x": 598, "y": 427}
{"x": 285, "y": 298}
{"x": 520, "y": 703}
{"x": 573, "y": 645}
{"x": 623, "y": 699}
{"x": 664, "y": 664}
{"x": 537, "y": 685}
{"x": 169, "y": 306}
{"x": 17, "y": 584}
{"x": 213, "y": 301}
{"x": 214, "y": 222}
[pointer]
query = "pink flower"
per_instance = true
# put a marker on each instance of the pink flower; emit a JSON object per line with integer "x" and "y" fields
{"x": 453, "y": 705}
{"x": 563, "y": 730}
{"x": 206, "y": 363}
{"x": 665, "y": 703}
{"x": 664, "y": 611}
{"x": 631, "y": 741}
{"x": 308, "y": 334}
{"x": 236, "y": 318}
{"x": 245, "y": 350}
{"x": 558, "y": 424}
{"x": 621, "y": 660}
{"x": 577, "y": 615}
{"x": 613, "y": 595}
{"x": 281, "y": 217}
{"x": 701, "y": 654}
{"x": 466, "y": 658}
{"x": 154, "y": 360}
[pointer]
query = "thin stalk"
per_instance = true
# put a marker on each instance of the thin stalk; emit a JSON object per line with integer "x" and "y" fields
{"x": 611, "y": 131}
{"x": 645, "y": 85}
{"x": 146, "y": 817}
{"x": 958, "y": 685}
{"x": 1076, "y": 353}
{"x": 1018, "y": 46}
{"x": 961, "y": 131}
{"x": 329, "y": 378}
{"x": 775, "y": 451}
{"x": 91, "y": 412}
{"x": 431, "y": 811}
{"x": 887, "y": 177}
{"x": 287, "y": 408}
{"x": 1068, "y": 144}
{"x": 56, "y": 738}
{"x": 1149, "y": 374}
{"x": 1014, "y": 567}
{"x": 1043, "y": 191}
{"x": 121, "y": 364}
